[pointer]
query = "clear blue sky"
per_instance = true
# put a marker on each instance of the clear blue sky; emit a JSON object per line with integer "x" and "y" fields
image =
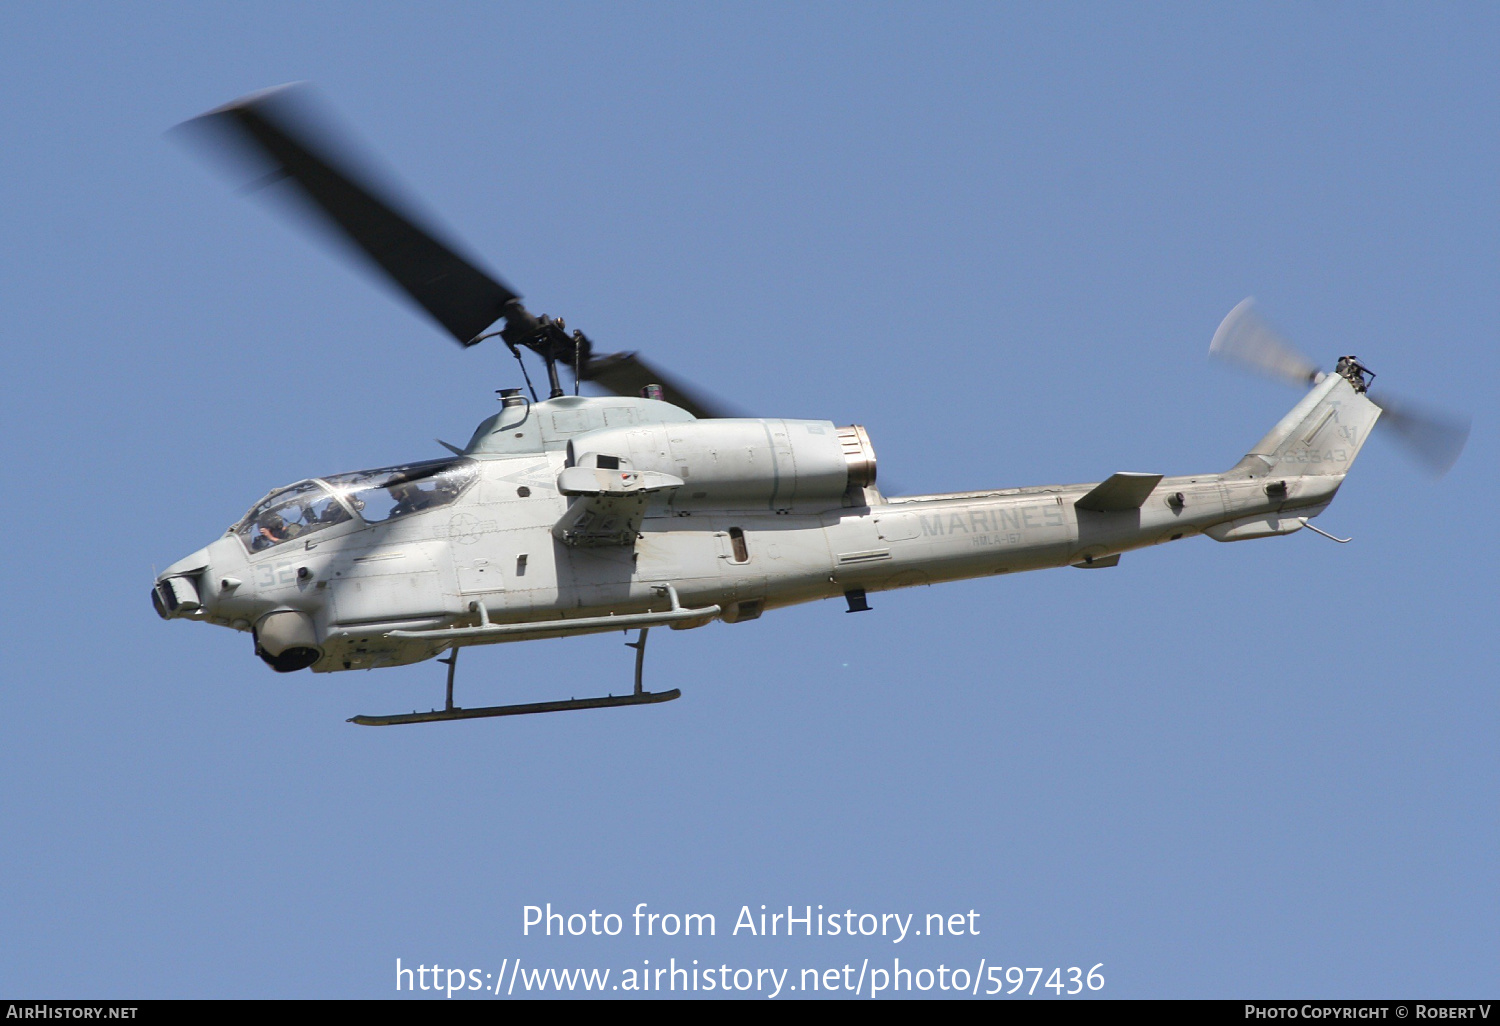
{"x": 998, "y": 236}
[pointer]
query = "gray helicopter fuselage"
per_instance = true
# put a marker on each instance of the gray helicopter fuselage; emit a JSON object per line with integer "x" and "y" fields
{"x": 578, "y": 515}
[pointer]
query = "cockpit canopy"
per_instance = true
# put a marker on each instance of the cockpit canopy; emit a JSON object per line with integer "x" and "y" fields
{"x": 372, "y": 496}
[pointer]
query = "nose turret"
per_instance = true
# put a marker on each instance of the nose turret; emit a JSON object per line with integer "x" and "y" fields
{"x": 287, "y": 641}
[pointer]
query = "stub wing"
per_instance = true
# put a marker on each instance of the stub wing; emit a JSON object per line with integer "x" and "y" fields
{"x": 1119, "y": 493}
{"x": 608, "y": 504}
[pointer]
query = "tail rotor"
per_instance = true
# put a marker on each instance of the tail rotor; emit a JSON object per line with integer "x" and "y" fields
{"x": 1432, "y": 438}
{"x": 1246, "y": 339}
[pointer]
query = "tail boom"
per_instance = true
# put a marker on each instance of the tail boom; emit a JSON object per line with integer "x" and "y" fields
{"x": 1291, "y": 475}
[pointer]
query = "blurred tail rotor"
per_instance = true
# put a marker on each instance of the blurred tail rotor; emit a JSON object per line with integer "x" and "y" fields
{"x": 1432, "y": 438}
{"x": 1245, "y": 338}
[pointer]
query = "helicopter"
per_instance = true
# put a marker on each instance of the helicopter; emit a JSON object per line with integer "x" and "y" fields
{"x": 650, "y": 507}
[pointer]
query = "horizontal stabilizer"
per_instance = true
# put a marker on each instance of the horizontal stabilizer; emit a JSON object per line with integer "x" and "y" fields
{"x": 1098, "y": 562}
{"x": 1119, "y": 493}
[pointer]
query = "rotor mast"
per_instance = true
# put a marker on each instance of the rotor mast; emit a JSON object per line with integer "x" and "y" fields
{"x": 545, "y": 336}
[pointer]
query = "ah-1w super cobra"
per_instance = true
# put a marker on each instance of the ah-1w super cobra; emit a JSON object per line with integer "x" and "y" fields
{"x": 576, "y": 515}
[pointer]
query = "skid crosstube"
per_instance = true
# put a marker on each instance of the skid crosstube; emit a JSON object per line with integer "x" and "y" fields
{"x": 437, "y": 715}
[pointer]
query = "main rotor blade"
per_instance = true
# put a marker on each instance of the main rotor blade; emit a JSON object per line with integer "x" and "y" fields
{"x": 279, "y": 126}
{"x": 1246, "y": 339}
{"x": 1433, "y": 438}
{"x": 628, "y": 374}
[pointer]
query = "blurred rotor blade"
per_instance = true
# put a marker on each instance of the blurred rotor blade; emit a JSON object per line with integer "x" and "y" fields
{"x": 280, "y": 130}
{"x": 1434, "y": 439}
{"x": 1246, "y": 339}
{"x": 628, "y": 374}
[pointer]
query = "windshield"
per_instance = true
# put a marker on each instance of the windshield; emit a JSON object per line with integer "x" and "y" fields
{"x": 290, "y": 513}
{"x": 376, "y": 495}
{"x": 391, "y": 492}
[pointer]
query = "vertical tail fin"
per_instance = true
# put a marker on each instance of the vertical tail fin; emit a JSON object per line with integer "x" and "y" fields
{"x": 1320, "y": 436}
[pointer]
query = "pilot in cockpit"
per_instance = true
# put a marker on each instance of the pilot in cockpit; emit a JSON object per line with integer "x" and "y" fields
{"x": 271, "y": 530}
{"x": 408, "y": 498}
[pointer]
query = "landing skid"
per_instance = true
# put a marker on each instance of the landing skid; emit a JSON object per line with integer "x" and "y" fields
{"x": 453, "y": 712}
